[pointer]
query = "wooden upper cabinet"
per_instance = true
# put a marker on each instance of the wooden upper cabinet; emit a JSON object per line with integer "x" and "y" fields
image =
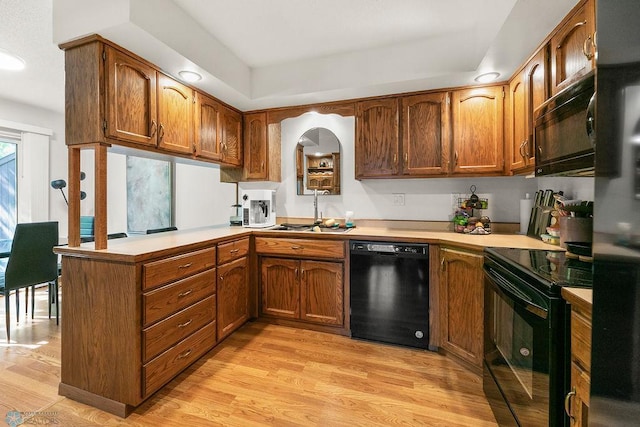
{"x": 477, "y": 116}
{"x": 175, "y": 115}
{"x": 377, "y": 139}
{"x": 426, "y": 134}
{"x": 573, "y": 47}
{"x": 255, "y": 146}
{"x": 518, "y": 132}
{"x": 231, "y": 141}
{"x": 131, "y": 113}
{"x": 527, "y": 91}
{"x": 207, "y": 127}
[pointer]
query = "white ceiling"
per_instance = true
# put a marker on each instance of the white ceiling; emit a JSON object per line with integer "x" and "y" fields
{"x": 256, "y": 54}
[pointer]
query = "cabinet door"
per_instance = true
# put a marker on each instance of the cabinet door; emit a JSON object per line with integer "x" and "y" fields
{"x": 231, "y": 142}
{"x": 233, "y": 296}
{"x": 130, "y": 99}
{"x": 462, "y": 304}
{"x": 207, "y": 127}
{"x": 377, "y": 141}
{"x": 573, "y": 48}
{"x": 518, "y": 117}
{"x": 280, "y": 287}
{"x": 426, "y": 139}
{"x": 321, "y": 292}
{"x": 477, "y": 130}
{"x": 255, "y": 146}
{"x": 537, "y": 86}
{"x": 175, "y": 116}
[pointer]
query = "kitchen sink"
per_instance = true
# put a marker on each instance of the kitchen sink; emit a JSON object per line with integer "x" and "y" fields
{"x": 329, "y": 230}
{"x": 309, "y": 228}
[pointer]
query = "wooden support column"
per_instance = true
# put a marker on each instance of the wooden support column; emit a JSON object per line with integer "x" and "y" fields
{"x": 74, "y": 196}
{"x": 100, "y": 203}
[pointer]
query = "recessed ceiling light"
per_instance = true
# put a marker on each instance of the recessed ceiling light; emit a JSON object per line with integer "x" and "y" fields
{"x": 487, "y": 77}
{"x": 11, "y": 62}
{"x": 190, "y": 76}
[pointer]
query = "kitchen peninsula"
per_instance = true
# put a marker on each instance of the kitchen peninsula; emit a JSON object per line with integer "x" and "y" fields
{"x": 143, "y": 310}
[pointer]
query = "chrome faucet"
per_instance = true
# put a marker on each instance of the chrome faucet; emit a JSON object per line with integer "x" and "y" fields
{"x": 315, "y": 204}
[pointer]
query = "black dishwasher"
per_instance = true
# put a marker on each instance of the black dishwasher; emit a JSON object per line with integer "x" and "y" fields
{"x": 390, "y": 292}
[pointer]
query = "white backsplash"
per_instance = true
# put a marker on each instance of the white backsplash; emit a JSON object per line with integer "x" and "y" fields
{"x": 425, "y": 199}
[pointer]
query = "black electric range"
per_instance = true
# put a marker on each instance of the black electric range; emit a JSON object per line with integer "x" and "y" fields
{"x": 550, "y": 270}
{"x": 526, "y": 333}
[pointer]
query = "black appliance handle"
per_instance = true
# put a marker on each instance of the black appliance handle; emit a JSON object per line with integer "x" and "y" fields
{"x": 516, "y": 295}
{"x": 591, "y": 120}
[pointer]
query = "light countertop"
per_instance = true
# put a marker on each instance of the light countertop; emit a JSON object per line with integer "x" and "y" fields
{"x": 138, "y": 248}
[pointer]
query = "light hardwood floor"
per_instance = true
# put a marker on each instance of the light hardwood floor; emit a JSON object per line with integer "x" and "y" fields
{"x": 261, "y": 375}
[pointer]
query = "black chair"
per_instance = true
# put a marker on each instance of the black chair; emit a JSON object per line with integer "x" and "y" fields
{"x": 161, "y": 230}
{"x": 32, "y": 262}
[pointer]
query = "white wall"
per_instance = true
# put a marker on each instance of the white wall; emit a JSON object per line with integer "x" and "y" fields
{"x": 425, "y": 199}
{"x": 34, "y": 116}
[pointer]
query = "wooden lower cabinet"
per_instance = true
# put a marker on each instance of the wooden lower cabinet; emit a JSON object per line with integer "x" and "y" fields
{"x": 578, "y": 397}
{"x": 461, "y": 291}
{"x": 133, "y": 326}
{"x": 233, "y": 296}
{"x": 303, "y": 290}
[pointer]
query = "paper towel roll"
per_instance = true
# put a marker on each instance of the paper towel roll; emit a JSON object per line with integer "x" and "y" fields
{"x": 525, "y": 213}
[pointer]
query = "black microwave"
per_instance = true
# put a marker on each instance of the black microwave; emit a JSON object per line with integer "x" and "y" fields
{"x": 564, "y": 131}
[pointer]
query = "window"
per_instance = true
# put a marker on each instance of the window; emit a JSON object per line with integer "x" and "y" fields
{"x": 8, "y": 189}
{"x": 149, "y": 194}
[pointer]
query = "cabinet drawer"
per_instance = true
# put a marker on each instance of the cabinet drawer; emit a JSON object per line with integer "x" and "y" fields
{"x": 166, "y": 333}
{"x": 300, "y": 247}
{"x": 582, "y": 382}
{"x": 169, "y": 299}
{"x": 170, "y": 363}
{"x": 233, "y": 250}
{"x": 167, "y": 270}
{"x": 581, "y": 340}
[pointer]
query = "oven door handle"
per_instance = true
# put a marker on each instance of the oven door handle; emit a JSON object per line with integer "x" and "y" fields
{"x": 516, "y": 295}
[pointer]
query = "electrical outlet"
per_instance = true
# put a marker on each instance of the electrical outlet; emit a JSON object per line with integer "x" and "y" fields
{"x": 398, "y": 199}
{"x": 454, "y": 200}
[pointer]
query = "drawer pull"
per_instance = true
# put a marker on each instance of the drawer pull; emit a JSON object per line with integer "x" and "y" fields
{"x": 185, "y": 324}
{"x": 184, "y": 354}
{"x": 185, "y": 293}
{"x": 187, "y": 265}
{"x": 295, "y": 248}
{"x": 234, "y": 251}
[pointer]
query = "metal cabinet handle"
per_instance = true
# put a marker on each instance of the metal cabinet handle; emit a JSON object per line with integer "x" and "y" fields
{"x": 296, "y": 271}
{"x": 526, "y": 149}
{"x": 185, "y": 293}
{"x": 161, "y": 132}
{"x": 295, "y": 248}
{"x": 154, "y": 128}
{"x": 395, "y": 159}
{"x": 587, "y": 47}
{"x": 522, "y": 149}
{"x": 185, "y": 324}
{"x": 455, "y": 158}
{"x": 187, "y": 265}
{"x": 234, "y": 251}
{"x": 184, "y": 354}
{"x": 406, "y": 158}
{"x": 442, "y": 264}
{"x": 567, "y": 403}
